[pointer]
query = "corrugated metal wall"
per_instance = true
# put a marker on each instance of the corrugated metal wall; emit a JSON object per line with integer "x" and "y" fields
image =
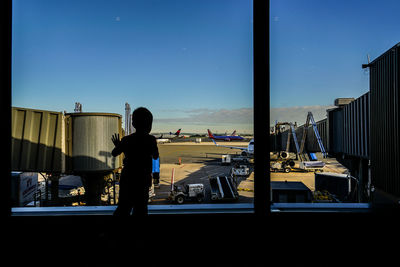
{"x": 385, "y": 121}
{"x": 36, "y": 140}
{"x": 349, "y": 129}
{"x": 356, "y": 127}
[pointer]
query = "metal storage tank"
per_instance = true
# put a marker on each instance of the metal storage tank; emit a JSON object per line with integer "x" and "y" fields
{"x": 36, "y": 143}
{"x": 385, "y": 120}
{"x": 88, "y": 139}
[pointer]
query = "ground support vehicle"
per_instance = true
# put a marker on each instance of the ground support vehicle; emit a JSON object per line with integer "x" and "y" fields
{"x": 191, "y": 192}
{"x": 285, "y": 166}
{"x": 241, "y": 170}
{"x": 312, "y": 166}
{"x": 241, "y": 159}
{"x": 226, "y": 160}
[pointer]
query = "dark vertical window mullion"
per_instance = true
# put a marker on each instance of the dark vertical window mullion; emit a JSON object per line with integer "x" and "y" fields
{"x": 261, "y": 107}
{"x": 5, "y": 100}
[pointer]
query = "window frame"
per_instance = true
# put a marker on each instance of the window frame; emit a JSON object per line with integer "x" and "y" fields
{"x": 261, "y": 112}
{"x": 262, "y": 206}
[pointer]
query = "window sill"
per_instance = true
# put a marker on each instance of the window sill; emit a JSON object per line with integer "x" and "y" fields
{"x": 320, "y": 207}
{"x": 227, "y": 208}
{"x": 153, "y": 209}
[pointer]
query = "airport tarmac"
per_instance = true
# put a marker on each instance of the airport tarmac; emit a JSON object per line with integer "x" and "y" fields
{"x": 198, "y": 162}
{"x": 191, "y": 152}
{"x": 308, "y": 178}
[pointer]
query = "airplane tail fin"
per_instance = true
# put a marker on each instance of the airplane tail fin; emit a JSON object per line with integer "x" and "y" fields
{"x": 234, "y": 133}
{"x": 210, "y": 134}
{"x": 178, "y": 132}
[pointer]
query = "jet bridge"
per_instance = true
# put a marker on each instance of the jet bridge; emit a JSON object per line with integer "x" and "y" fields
{"x": 310, "y": 117}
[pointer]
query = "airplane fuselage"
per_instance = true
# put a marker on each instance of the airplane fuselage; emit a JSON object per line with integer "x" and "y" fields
{"x": 226, "y": 137}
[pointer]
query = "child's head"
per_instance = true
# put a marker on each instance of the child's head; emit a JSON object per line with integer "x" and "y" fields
{"x": 142, "y": 120}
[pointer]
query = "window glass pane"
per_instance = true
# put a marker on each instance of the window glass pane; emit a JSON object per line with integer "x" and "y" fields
{"x": 320, "y": 97}
{"x": 79, "y": 70}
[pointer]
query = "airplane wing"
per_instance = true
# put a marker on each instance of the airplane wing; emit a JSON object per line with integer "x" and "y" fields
{"x": 232, "y": 147}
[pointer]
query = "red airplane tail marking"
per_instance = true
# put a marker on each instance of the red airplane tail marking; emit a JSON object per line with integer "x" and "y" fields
{"x": 210, "y": 134}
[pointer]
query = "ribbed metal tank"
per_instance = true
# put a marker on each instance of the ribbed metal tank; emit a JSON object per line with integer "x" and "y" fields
{"x": 88, "y": 139}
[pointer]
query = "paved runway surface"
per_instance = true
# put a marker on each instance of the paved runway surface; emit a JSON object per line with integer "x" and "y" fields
{"x": 195, "y": 153}
{"x": 198, "y": 163}
{"x": 201, "y": 161}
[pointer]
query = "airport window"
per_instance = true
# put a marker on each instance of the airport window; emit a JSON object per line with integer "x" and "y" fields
{"x": 330, "y": 76}
{"x": 80, "y": 69}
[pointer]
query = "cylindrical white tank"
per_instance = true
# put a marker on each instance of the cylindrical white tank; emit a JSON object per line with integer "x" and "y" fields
{"x": 89, "y": 141}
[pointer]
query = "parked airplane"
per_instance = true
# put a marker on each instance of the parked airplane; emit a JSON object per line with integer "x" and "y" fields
{"x": 170, "y": 134}
{"x": 163, "y": 140}
{"x": 224, "y": 137}
{"x": 184, "y": 136}
{"x": 168, "y": 137}
{"x": 246, "y": 151}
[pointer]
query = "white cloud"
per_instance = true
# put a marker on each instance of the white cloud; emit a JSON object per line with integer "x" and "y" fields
{"x": 214, "y": 116}
{"x": 241, "y": 119}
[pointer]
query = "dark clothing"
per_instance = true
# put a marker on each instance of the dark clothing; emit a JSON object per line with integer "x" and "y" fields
{"x": 132, "y": 195}
{"x": 156, "y": 178}
{"x": 139, "y": 150}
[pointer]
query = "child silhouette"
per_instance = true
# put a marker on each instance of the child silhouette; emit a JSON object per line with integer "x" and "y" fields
{"x": 139, "y": 149}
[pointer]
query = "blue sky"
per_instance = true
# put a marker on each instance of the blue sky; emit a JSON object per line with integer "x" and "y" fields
{"x": 191, "y": 62}
{"x": 170, "y": 56}
{"x": 317, "y": 47}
